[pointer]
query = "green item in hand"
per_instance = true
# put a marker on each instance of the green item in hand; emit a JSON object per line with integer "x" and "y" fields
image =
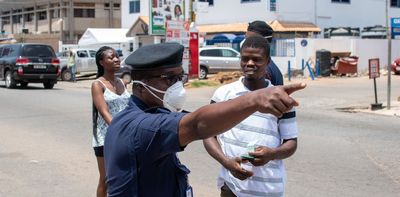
{"x": 246, "y": 156}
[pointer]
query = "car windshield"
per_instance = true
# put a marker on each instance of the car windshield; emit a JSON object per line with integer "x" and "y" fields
{"x": 37, "y": 50}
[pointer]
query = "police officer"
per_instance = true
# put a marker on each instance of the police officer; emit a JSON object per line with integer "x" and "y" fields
{"x": 142, "y": 141}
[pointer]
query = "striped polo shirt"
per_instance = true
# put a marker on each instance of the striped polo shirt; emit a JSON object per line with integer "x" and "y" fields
{"x": 259, "y": 129}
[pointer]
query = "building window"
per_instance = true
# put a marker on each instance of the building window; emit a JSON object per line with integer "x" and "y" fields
{"x": 84, "y": 13}
{"x": 16, "y": 18}
{"x": 272, "y": 5}
{"x": 29, "y": 17}
{"x": 42, "y": 15}
{"x": 340, "y": 1}
{"x": 134, "y": 6}
{"x": 116, "y": 6}
{"x": 248, "y": 1}
{"x": 6, "y": 20}
{"x": 55, "y": 13}
{"x": 210, "y": 2}
{"x": 395, "y": 3}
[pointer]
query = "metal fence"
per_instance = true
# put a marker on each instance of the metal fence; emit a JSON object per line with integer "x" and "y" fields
{"x": 283, "y": 48}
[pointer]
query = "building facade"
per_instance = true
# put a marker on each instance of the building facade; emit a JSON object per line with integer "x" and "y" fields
{"x": 68, "y": 18}
{"x": 322, "y": 13}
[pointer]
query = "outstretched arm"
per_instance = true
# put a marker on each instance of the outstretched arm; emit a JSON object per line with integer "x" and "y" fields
{"x": 213, "y": 119}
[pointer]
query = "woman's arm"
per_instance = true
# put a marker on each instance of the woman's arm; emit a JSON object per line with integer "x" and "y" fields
{"x": 99, "y": 102}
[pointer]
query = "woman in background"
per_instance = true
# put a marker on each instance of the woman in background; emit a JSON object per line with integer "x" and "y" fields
{"x": 110, "y": 96}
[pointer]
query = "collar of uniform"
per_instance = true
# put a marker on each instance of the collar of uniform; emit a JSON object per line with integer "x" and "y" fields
{"x": 135, "y": 101}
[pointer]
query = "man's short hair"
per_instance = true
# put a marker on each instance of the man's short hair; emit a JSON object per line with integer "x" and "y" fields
{"x": 257, "y": 42}
{"x": 262, "y": 28}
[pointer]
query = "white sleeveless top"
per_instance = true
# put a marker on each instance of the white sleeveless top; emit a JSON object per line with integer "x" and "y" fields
{"x": 115, "y": 103}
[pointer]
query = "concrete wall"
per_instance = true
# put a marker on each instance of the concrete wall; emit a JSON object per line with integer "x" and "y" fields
{"x": 228, "y": 11}
{"x": 363, "y": 48}
{"x": 322, "y": 12}
{"x": 360, "y": 13}
{"x": 128, "y": 19}
{"x": 50, "y": 39}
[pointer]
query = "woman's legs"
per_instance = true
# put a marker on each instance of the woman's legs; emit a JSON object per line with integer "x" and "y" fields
{"x": 101, "y": 187}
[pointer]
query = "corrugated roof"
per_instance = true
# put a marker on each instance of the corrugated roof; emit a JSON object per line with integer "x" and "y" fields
{"x": 222, "y": 28}
{"x": 288, "y": 26}
{"x": 145, "y": 19}
{"x": 277, "y": 26}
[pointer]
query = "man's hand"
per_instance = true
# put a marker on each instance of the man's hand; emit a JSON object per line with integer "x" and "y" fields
{"x": 276, "y": 100}
{"x": 262, "y": 155}
{"x": 233, "y": 165}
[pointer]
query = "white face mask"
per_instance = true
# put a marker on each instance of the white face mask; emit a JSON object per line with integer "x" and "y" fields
{"x": 174, "y": 97}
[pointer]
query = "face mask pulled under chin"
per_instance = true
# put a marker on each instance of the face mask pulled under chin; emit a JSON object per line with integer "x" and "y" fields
{"x": 174, "y": 97}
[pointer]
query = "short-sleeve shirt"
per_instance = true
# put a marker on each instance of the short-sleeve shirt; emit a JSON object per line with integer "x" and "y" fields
{"x": 259, "y": 129}
{"x": 140, "y": 153}
{"x": 274, "y": 74}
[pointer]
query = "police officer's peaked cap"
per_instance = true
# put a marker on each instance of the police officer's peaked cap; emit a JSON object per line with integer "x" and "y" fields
{"x": 165, "y": 55}
{"x": 261, "y": 28}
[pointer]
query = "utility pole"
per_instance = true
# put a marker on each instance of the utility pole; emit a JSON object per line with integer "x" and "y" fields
{"x": 389, "y": 37}
{"x": 192, "y": 12}
{"x": 315, "y": 13}
{"x": 71, "y": 24}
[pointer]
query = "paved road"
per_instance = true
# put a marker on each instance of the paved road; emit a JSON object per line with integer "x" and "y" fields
{"x": 45, "y": 149}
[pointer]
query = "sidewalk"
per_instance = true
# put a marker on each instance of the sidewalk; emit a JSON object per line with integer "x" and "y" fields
{"x": 393, "y": 111}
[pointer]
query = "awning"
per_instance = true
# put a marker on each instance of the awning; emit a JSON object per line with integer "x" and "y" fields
{"x": 277, "y": 26}
{"x": 93, "y": 36}
{"x": 223, "y": 28}
{"x": 291, "y": 26}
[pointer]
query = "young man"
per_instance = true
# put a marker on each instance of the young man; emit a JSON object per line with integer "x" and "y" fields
{"x": 142, "y": 141}
{"x": 263, "y": 29}
{"x": 262, "y": 140}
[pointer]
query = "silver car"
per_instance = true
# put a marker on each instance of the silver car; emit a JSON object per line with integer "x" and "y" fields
{"x": 85, "y": 63}
{"x": 218, "y": 59}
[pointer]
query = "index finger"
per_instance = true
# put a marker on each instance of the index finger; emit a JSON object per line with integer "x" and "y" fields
{"x": 289, "y": 89}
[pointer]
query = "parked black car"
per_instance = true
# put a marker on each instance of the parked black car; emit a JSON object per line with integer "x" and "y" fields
{"x": 25, "y": 63}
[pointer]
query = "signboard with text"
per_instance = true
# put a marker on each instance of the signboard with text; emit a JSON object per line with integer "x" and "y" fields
{"x": 395, "y": 26}
{"x": 177, "y": 31}
{"x": 162, "y": 11}
{"x": 373, "y": 65}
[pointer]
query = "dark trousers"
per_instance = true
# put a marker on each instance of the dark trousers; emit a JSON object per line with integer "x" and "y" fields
{"x": 226, "y": 192}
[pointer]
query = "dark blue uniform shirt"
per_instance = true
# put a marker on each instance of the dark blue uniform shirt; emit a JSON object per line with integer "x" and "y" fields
{"x": 274, "y": 74}
{"x": 140, "y": 153}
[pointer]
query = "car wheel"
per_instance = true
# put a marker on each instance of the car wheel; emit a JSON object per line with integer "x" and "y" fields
{"x": 126, "y": 77}
{"x": 24, "y": 84}
{"x": 48, "y": 85}
{"x": 203, "y": 73}
{"x": 10, "y": 82}
{"x": 66, "y": 75}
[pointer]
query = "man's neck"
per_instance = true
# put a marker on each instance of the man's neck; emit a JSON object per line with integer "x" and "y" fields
{"x": 255, "y": 84}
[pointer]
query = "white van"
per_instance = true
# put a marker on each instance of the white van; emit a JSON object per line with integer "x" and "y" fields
{"x": 85, "y": 63}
